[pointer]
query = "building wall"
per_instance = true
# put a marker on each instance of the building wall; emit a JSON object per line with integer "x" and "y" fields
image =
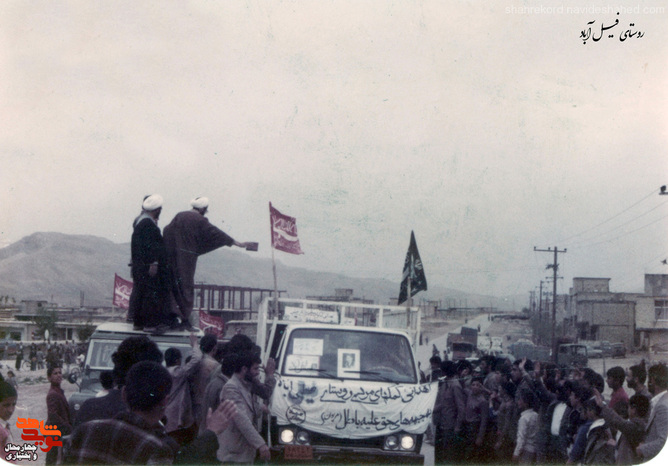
{"x": 608, "y": 319}
{"x": 653, "y": 332}
{"x": 656, "y": 285}
{"x": 590, "y": 285}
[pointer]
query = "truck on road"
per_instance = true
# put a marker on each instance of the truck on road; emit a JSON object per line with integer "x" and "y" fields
{"x": 462, "y": 345}
{"x": 348, "y": 387}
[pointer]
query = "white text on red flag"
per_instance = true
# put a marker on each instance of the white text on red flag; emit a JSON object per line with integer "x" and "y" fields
{"x": 211, "y": 324}
{"x": 284, "y": 232}
{"x": 122, "y": 291}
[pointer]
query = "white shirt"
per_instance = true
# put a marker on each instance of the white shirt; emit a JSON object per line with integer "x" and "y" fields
{"x": 557, "y": 416}
{"x": 654, "y": 401}
{"x": 526, "y": 432}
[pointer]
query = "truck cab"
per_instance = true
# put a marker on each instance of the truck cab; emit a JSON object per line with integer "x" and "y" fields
{"x": 347, "y": 393}
{"x": 572, "y": 354}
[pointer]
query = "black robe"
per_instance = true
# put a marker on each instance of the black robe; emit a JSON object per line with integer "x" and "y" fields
{"x": 188, "y": 236}
{"x": 149, "y": 300}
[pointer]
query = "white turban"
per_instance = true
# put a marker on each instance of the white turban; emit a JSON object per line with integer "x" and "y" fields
{"x": 152, "y": 202}
{"x": 200, "y": 203}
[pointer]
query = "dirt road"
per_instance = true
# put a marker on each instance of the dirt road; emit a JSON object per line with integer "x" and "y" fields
{"x": 31, "y": 403}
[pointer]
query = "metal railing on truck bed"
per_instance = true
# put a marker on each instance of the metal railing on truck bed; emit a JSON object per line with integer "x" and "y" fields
{"x": 290, "y": 311}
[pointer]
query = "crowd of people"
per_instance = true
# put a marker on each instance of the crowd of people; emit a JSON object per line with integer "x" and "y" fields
{"x": 204, "y": 409}
{"x": 163, "y": 263}
{"x": 38, "y": 356}
{"x": 529, "y": 412}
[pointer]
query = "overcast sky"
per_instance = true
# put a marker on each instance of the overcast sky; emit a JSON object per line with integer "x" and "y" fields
{"x": 488, "y": 128}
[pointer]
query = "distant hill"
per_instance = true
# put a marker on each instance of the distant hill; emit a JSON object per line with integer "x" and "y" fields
{"x": 58, "y": 267}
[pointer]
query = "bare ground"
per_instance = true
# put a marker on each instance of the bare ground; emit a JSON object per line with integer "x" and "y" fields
{"x": 31, "y": 403}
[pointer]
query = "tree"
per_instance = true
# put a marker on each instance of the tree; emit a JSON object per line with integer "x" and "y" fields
{"x": 85, "y": 332}
{"x": 46, "y": 320}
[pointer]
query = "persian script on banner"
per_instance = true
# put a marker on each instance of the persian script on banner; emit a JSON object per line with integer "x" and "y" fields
{"x": 353, "y": 410}
{"x": 122, "y": 291}
{"x": 284, "y": 232}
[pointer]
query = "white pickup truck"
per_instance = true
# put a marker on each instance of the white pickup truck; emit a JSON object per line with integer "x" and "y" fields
{"x": 348, "y": 389}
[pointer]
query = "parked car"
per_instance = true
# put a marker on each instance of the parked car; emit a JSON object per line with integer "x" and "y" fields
{"x": 605, "y": 348}
{"x": 594, "y": 353}
{"x": 618, "y": 350}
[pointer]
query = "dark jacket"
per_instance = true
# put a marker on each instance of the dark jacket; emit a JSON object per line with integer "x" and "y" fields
{"x": 598, "y": 449}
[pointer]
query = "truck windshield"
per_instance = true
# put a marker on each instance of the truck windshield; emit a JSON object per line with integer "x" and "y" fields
{"x": 100, "y": 351}
{"x": 349, "y": 354}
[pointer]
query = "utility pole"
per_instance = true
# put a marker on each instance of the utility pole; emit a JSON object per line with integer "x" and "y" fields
{"x": 554, "y": 296}
{"x": 532, "y": 301}
{"x": 540, "y": 302}
{"x": 554, "y": 266}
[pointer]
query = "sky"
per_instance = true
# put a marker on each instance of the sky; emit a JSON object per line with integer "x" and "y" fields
{"x": 489, "y": 128}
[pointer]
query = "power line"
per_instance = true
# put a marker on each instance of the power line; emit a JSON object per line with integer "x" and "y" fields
{"x": 580, "y": 245}
{"x": 652, "y": 193}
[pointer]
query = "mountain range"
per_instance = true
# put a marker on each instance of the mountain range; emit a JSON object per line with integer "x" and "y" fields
{"x": 59, "y": 268}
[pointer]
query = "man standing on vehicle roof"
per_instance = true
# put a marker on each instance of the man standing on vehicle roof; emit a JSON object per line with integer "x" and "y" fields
{"x": 188, "y": 236}
{"x": 150, "y": 270}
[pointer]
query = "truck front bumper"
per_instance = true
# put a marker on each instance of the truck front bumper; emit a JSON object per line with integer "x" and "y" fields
{"x": 337, "y": 454}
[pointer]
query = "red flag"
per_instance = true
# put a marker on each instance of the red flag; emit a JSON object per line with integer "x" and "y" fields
{"x": 122, "y": 291}
{"x": 284, "y": 232}
{"x": 211, "y": 324}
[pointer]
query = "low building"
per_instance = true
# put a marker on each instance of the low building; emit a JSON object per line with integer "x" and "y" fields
{"x": 602, "y": 315}
{"x": 652, "y": 313}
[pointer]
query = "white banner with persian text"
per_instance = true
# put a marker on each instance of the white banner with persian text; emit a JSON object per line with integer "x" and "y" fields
{"x": 353, "y": 409}
{"x": 300, "y": 314}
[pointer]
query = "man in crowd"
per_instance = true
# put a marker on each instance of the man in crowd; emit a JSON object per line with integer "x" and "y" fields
{"x": 151, "y": 274}
{"x": 241, "y": 443}
{"x": 635, "y": 380}
{"x": 58, "y": 410}
{"x": 181, "y": 425}
{"x": 449, "y": 415}
{"x": 219, "y": 377}
{"x": 631, "y": 430}
{"x": 435, "y": 371}
{"x": 615, "y": 380}
{"x": 188, "y": 236}
{"x": 131, "y": 351}
{"x": 137, "y": 436}
{"x": 208, "y": 345}
{"x": 657, "y": 424}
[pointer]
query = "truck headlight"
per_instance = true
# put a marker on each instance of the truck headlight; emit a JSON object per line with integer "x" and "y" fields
{"x": 391, "y": 442}
{"x": 407, "y": 442}
{"x": 287, "y": 436}
{"x": 303, "y": 438}
{"x": 399, "y": 442}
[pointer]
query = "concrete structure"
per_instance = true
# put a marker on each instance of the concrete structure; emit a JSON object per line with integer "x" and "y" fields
{"x": 652, "y": 313}
{"x": 19, "y": 322}
{"x": 602, "y": 315}
{"x": 342, "y": 295}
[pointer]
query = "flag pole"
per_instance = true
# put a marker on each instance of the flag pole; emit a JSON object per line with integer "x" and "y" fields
{"x": 408, "y": 304}
{"x": 273, "y": 265}
{"x": 274, "y": 311}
